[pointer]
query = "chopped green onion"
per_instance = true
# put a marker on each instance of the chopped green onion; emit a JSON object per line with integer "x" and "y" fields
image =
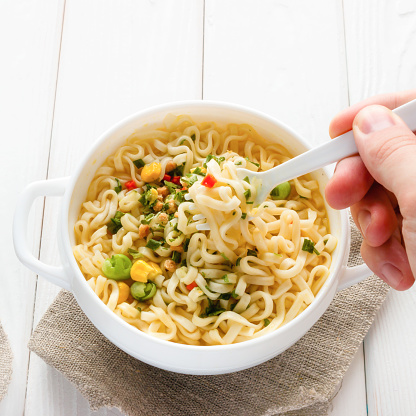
{"x": 115, "y": 224}
{"x": 254, "y": 163}
{"x": 309, "y": 246}
{"x": 213, "y": 309}
{"x": 278, "y": 255}
{"x": 266, "y": 322}
{"x": 237, "y": 263}
{"x": 135, "y": 254}
{"x": 176, "y": 257}
{"x": 153, "y": 244}
{"x": 147, "y": 219}
{"x": 118, "y": 188}
{"x": 182, "y": 141}
{"x": 225, "y": 278}
{"x": 216, "y": 158}
{"x": 325, "y": 241}
{"x": 224, "y": 256}
{"x": 251, "y": 253}
{"x": 243, "y": 216}
{"x": 234, "y": 295}
{"x": 138, "y": 163}
{"x": 250, "y": 202}
{"x": 186, "y": 244}
{"x": 247, "y": 194}
{"x": 193, "y": 137}
{"x": 246, "y": 179}
{"x": 238, "y": 163}
{"x": 225, "y": 296}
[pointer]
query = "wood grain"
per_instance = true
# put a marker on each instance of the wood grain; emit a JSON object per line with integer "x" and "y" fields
{"x": 29, "y": 48}
{"x": 381, "y": 50}
{"x": 116, "y": 58}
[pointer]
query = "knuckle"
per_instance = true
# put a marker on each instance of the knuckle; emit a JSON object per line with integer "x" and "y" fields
{"x": 390, "y": 148}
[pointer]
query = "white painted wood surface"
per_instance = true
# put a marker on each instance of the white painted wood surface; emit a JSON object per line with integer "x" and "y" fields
{"x": 72, "y": 68}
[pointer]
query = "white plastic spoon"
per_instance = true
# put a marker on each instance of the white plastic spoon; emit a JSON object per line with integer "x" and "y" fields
{"x": 330, "y": 152}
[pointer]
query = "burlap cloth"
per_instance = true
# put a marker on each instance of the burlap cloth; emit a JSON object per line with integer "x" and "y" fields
{"x": 6, "y": 359}
{"x": 301, "y": 381}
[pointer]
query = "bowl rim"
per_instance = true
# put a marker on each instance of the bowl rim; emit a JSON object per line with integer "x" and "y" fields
{"x": 74, "y": 271}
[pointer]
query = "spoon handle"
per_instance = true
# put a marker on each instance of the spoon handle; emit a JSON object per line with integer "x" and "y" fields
{"x": 334, "y": 150}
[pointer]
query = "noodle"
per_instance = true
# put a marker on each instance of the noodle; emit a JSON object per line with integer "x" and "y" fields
{"x": 224, "y": 271}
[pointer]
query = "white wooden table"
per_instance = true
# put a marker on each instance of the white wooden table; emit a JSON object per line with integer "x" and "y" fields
{"x": 72, "y": 68}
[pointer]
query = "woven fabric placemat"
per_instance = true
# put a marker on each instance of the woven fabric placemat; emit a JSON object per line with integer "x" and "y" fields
{"x": 6, "y": 358}
{"x": 300, "y": 381}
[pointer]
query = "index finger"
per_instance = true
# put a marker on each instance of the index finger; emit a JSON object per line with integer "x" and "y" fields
{"x": 342, "y": 122}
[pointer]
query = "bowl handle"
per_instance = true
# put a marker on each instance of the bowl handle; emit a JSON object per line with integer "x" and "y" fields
{"x": 353, "y": 275}
{"x": 53, "y": 187}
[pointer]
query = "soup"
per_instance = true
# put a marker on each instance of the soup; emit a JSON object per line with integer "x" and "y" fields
{"x": 170, "y": 240}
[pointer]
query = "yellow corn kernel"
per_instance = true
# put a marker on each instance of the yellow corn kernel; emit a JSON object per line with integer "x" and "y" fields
{"x": 151, "y": 172}
{"x": 140, "y": 271}
{"x": 123, "y": 292}
{"x": 156, "y": 270}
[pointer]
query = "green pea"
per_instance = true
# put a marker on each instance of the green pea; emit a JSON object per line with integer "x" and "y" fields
{"x": 281, "y": 191}
{"x": 143, "y": 291}
{"x": 117, "y": 268}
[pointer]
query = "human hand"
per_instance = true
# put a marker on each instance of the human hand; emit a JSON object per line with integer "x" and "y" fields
{"x": 379, "y": 185}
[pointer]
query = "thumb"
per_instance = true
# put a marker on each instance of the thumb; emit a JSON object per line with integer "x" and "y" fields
{"x": 388, "y": 149}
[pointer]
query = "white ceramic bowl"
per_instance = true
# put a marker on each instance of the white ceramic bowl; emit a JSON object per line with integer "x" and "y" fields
{"x": 159, "y": 353}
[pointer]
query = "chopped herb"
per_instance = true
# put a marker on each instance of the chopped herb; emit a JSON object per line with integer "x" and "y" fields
{"x": 266, "y": 322}
{"x": 238, "y": 163}
{"x": 243, "y": 216}
{"x": 213, "y": 309}
{"x": 225, "y": 296}
{"x": 192, "y": 179}
{"x": 138, "y": 163}
{"x": 251, "y": 253}
{"x": 247, "y": 194}
{"x": 147, "y": 219}
{"x": 225, "y": 278}
{"x": 232, "y": 306}
{"x": 171, "y": 216}
{"x": 176, "y": 257}
{"x": 278, "y": 255}
{"x": 303, "y": 197}
{"x": 237, "y": 263}
{"x": 171, "y": 186}
{"x": 325, "y": 241}
{"x": 234, "y": 295}
{"x": 216, "y": 158}
{"x": 224, "y": 256}
{"x": 198, "y": 171}
{"x": 118, "y": 188}
{"x": 135, "y": 254}
{"x": 246, "y": 179}
{"x": 254, "y": 163}
{"x": 180, "y": 196}
{"x": 182, "y": 141}
{"x": 139, "y": 308}
{"x": 309, "y": 246}
{"x": 153, "y": 244}
{"x": 183, "y": 263}
{"x": 148, "y": 198}
{"x": 250, "y": 202}
{"x": 234, "y": 212}
{"x": 186, "y": 244}
{"x": 203, "y": 274}
{"x": 115, "y": 224}
{"x": 178, "y": 171}
{"x": 193, "y": 137}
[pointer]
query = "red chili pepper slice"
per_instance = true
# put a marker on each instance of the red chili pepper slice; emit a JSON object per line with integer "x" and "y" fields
{"x": 130, "y": 185}
{"x": 176, "y": 180}
{"x": 167, "y": 178}
{"x": 191, "y": 286}
{"x": 209, "y": 181}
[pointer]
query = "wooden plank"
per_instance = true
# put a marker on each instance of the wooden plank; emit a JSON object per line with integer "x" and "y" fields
{"x": 30, "y": 35}
{"x": 116, "y": 58}
{"x": 381, "y": 46}
{"x": 287, "y": 59}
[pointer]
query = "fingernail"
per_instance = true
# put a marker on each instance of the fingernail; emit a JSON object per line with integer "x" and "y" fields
{"x": 392, "y": 275}
{"x": 364, "y": 219}
{"x": 374, "y": 118}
